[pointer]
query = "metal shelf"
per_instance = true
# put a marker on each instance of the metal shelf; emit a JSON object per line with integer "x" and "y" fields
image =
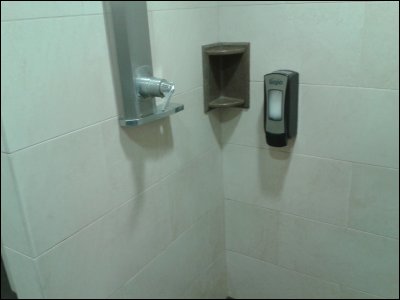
{"x": 226, "y": 50}
{"x": 223, "y": 101}
{"x": 173, "y": 108}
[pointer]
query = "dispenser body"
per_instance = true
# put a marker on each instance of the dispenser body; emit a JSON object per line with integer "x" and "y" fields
{"x": 280, "y": 106}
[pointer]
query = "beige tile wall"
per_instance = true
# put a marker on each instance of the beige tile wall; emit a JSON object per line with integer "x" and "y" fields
{"x": 90, "y": 209}
{"x": 102, "y": 211}
{"x": 319, "y": 218}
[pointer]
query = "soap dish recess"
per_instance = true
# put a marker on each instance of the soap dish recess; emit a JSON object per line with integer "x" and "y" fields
{"x": 226, "y": 75}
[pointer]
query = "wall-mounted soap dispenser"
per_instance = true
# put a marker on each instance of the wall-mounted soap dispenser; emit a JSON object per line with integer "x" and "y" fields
{"x": 280, "y": 106}
{"x": 130, "y": 54}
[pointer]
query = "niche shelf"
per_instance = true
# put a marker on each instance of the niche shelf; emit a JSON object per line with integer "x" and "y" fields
{"x": 226, "y": 75}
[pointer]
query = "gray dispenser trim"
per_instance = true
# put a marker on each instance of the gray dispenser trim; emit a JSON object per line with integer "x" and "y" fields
{"x": 226, "y": 75}
{"x": 130, "y": 54}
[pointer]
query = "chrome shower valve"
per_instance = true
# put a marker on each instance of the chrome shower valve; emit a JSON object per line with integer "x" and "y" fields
{"x": 155, "y": 87}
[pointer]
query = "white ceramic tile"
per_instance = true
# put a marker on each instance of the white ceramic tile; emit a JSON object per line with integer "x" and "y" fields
{"x": 24, "y": 275}
{"x": 348, "y": 293}
{"x": 302, "y": 185}
{"x": 230, "y": 3}
{"x": 169, "y": 275}
{"x": 182, "y": 188}
{"x": 380, "y": 52}
{"x": 355, "y": 259}
{"x": 176, "y": 40}
{"x": 171, "y": 5}
{"x": 63, "y": 185}
{"x": 195, "y": 189}
{"x": 327, "y": 44}
{"x": 246, "y": 127}
{"x": 254, "y": 176}
{"x": 359, "y": 125}
{"x": 374, "y": 201}
{"x": 138, "y": 157}
{"x": 249, "y": 278}
{"x": 102, "y": 257}
{"x": 132, "y": 156}
{"x": 58, "y": 78}
{"x": 14, "y": 232}
{"x": 187, "y": 134}
{"x": 252, "y": 230}
{"x": 92, "y": 7}
{"x": 118, "y": 294}
{"x": 295, "y": 37}
{"x": 15, "y": 10}
{"x": 317, "y": 189}
{"x": 210, "y": 285}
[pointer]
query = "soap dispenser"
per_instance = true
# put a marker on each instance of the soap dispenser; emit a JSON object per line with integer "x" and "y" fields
{"x": 280, "y": 106}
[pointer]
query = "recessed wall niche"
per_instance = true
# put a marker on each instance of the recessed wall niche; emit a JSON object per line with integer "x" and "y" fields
{"x": 226, "y": 75}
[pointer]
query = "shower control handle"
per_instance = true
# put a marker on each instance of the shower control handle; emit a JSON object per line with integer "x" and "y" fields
{"x": 155, "y": 87}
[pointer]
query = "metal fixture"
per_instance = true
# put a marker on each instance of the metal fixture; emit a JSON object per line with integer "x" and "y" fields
{"x": 130, "y": 53}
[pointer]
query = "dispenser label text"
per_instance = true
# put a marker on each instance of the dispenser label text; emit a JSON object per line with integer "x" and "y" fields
{"x": 275, "y": 81}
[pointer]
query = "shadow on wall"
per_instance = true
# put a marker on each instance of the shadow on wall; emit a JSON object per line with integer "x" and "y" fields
{"x": 214, "y": 118}
{"x": 272, "y": 172}
{"x": 233, "y": 117}
{"x": 272, "y": 163}
{"x": 273, "y": 177}
{"x": 144, "y": 146}
{"x": 6, "y": 292}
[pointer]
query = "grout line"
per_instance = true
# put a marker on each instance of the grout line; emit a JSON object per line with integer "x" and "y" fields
{"x": 341, "y": 286}
{"x": 91, "y": 125}
{"x": 280, "y": 266}
{"x": 294, "y": 2}
{"x": 337, "y": 85}
{"x": 313, "y": 156}
{"x": 371, "y": 233}
{"x": 18, "y": 252}
{"x": 359, "y": 163}
{"x": 51, "y": 17}
{"x": 301, "y": 273}
{"x": 349, "y": 86}
{"x": 92, "y": 223}
{"x": 251, "y": 4}
{"x": 35, "y": 269}
{"x": 22, "y": 209}
{"x": 64, "y": 134}
{"x": 182, "y": 8}
{"x": 98, "y": 219}
{"x": 311, "y": 220}
{"x": 188, "y": 91}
